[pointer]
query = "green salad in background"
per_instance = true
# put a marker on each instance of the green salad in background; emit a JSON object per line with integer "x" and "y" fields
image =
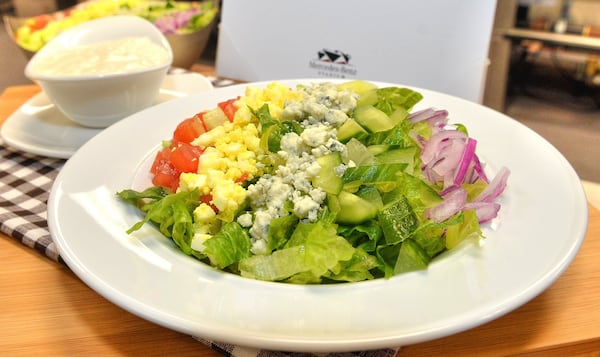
{"x": 170, "y": 17}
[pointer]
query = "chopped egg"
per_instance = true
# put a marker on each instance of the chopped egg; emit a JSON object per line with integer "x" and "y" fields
{"x": 230, "y": 155}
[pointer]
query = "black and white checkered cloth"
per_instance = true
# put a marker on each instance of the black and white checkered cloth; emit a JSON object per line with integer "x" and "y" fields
{"x": 240, "y": 351}
{"x": 25, "y": 184}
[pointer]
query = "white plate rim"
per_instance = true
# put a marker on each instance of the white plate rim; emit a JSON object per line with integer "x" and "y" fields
{"x": 25, "y": 118}
{"x": 292, "y": 335}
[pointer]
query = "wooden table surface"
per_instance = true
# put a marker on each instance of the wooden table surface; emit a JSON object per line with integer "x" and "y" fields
{"x": 46, "y": 310}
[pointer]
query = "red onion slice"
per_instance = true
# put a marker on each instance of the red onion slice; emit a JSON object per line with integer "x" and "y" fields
{"x": 479, "y": 169}
{"x": 485, "y": 211}
{"x": 435, "y": 118}
{"x": 449, "y": 157}
{"x": 465, "y": 161}
{"x": 454, "y": 201}
{"x": 495, "y": 187}
{"x": 420, "y": 115}
{"x": 437, "y": 142}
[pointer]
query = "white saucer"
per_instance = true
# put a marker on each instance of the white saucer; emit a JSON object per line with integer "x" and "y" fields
{"x": 38, "y": 127}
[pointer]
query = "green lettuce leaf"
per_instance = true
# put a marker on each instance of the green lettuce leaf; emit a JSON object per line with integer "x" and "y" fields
{"x": 365, "y": 236}
{"x": 383, "y": 174}
{"x": 411, "y": 257}
{"x": 467, "y": 227}
{"x": 312, "y": 251}
{"x": 388, "y": 256}
{"x": 358, "y": 268}
{"x": 273, "y": 130}
{"x": 419, "y": 193}
{"x": 398, "y": 136}
{"x": 391, "y": 98}
{"x": 280, "y": 230}
{"x": 229, "y": 246}
{"x": 171, "y": 212}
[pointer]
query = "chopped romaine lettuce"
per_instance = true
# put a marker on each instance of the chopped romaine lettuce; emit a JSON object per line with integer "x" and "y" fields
{"x": 391, "y": 98}
{"x": 393, "y": 211}
{"x": 314, "y": 249}
{"x": 230, "y": 245}
{"x": 172, "y": 213}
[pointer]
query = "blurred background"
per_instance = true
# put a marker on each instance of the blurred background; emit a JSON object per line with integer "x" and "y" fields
{"x": 550, "y": 83}
{"x": 552, "y": 86}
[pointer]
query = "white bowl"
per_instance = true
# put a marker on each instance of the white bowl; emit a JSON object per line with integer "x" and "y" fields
{"x": 99, "y": 100}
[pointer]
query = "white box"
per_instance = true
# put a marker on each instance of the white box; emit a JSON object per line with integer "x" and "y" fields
{"x": 435, "y": 44}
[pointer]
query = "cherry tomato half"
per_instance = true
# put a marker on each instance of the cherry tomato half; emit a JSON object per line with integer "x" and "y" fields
{"x": 189, "y": 129}
{"x": 173, "y": 160}
{"x": 229, "y": 108}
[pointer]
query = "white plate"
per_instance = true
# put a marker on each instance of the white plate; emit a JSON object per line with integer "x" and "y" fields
{"x": 38, "y": 127}
{"x": 541, "y": 226}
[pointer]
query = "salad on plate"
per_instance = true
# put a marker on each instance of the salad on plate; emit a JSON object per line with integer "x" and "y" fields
{"x": 170, "y": 17}
{"x": 317, "y": 184}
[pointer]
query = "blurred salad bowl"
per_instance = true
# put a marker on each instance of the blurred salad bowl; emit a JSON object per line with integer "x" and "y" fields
{"x": 188, "y": 47}
{"x": 186, "y": 25}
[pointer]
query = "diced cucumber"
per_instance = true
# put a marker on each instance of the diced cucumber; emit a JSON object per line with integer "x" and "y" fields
{"x": 367, "y": 91}
{"x": 327, "y": 179}
{"x": 333, "y": 203}
{"x": 371, "y": 194}
{"x": 369, "y": 97}
{"x": 397, "y": 220}
{"x": 418, "y": 190}
{"x": 372, "y": 119}
{"x": 399, "y": 115}
{"x": 353, "y": 209}
{"x": 352, "y": 186}
{"x": 397, "y": 156}
{"x": 358, "y": 86}
{"x": 358, "y": 153}
{"x": 419, "y": 194}
{"x": 373, "y": 174}
{"x": 378, "y": 149}
{"x": 411, "y": 258}
{"x": 350, "y": 129}
{"x": 214, "y": 118}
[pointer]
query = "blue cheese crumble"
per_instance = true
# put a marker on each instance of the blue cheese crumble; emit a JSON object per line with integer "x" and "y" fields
{"x": 321, "y": 109}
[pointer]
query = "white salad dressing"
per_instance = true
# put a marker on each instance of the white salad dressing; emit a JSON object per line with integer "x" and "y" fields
{"x": 107, "y": 57}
